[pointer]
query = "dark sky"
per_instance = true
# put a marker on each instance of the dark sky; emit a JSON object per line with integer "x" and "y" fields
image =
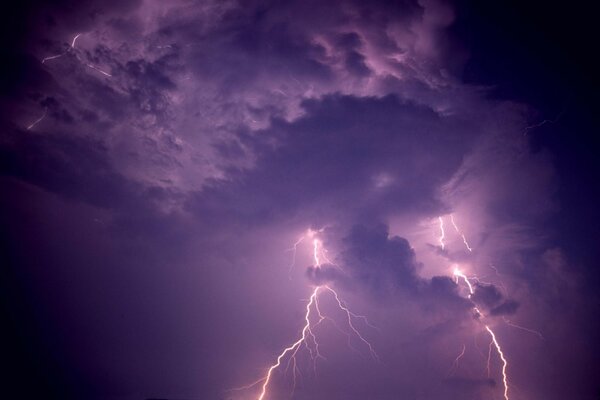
{"x": 178, "y": 178}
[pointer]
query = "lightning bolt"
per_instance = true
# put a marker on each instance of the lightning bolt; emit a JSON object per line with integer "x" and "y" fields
{"x": 308, "y": 339}
{"x": 460, "y": 233}
{"x": 349, "y": 315}
{"x": 442, "y": 233}
{"x": 72, "y": 47}
{"x": 294, "y": 250}
{"x": 489, "y": 360}
{"x": 546, "y": 121}
{"x": 37, "y": 121}
{"x": 63, "y": 53}
{"x": 306, "y": 331}
{"x": 504, "y": 362}
{"x": 532, "y": 331}
{"x": 457, "y": 359}
{"x": 459, "y": 274}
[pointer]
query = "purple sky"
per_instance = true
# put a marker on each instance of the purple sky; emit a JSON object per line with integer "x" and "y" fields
{"x": 158, "y": 161}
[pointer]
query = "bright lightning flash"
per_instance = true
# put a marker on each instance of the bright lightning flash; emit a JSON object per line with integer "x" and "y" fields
{"x": 459, "y": 274}
{"x": 504, "y": 362}
{"x": 442, "y": 233}
{"x": 308, "y": 338}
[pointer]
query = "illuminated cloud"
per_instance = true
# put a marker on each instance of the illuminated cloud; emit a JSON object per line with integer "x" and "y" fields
{"x": 162, "y": 162}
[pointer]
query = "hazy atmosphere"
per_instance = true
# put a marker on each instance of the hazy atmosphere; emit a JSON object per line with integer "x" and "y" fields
{"x": 309, "y": 200}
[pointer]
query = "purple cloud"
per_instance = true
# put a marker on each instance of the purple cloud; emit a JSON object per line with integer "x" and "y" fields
{"x": 161, "y": 172}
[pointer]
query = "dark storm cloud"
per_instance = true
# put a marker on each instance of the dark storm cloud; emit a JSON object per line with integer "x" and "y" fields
{"x": 79, "y": 170}
{"x": 73, "y": 167}
{"x": 385, "y": 267}
{"x": 491, "y": 298}
{"x": 509, "y": 307}
{"x": 382, "y": 153}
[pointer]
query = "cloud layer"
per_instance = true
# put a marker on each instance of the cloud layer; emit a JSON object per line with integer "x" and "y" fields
{"x": 160, "y": 166}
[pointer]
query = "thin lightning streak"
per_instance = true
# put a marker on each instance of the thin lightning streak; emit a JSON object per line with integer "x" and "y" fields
{"x": 442, "y": 233}
{"x": 457, "y": 359}
{"x": 546, "y": 121}
{"x": 97, "y": 69}
{"x": 460, "y": 233}
{"x": 512, "y": 324}
{"x": 504, "y": 362}
{"x": 74, "y": 40}
{"x": 316, "y": 253}
{"x": 327, "y": 260}
{"x": 489, "y": 359}
{"x": 52, "y": 57}
{"x": 294, "y": 250}
{"x": 349, "y": 315}
{"x": 37, "y": 121}
{"x": 248, "y": 386}
{"x": 492, "y": 266}
{"x": 500, "y": 284}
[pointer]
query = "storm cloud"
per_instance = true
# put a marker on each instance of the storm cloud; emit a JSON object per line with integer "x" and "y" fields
{"x": 168, "y": 171}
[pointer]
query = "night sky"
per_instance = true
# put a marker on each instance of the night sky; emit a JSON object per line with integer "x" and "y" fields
{"x": 309, "y": 200}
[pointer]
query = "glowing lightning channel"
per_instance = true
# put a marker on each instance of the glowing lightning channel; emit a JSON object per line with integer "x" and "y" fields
{"x": 457, "y": 359}
{"x": 504, "y": 362}
{"x": 72, "y": 47}
{"x": 316, "y": 252}
{"x": 349, "y": 315}
{"x": 308, "y": 338}
{"x": 293, "y": 348}
{"x": 63, "y": 53}
{"x": 442, "y": 233}
{"x": 459, "y": 274}
{"x": 74, "y": 40}
{"x": 294, "y": 250}
{"x": 97, "y": 69}
{"x": 460, "y": 233}
{"x": 37, "y": 121}
{"x": 532, "y": 331}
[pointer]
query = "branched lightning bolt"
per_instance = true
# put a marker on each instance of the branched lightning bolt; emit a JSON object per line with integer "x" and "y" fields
{"x": 63, "y": 53}
{"x": 293, "y": 349}
{"x": 72, "y": 47}
{"x": 308, "y": 339}
{"x": 459, "y": 274}
{"x": 349, "y": 315}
